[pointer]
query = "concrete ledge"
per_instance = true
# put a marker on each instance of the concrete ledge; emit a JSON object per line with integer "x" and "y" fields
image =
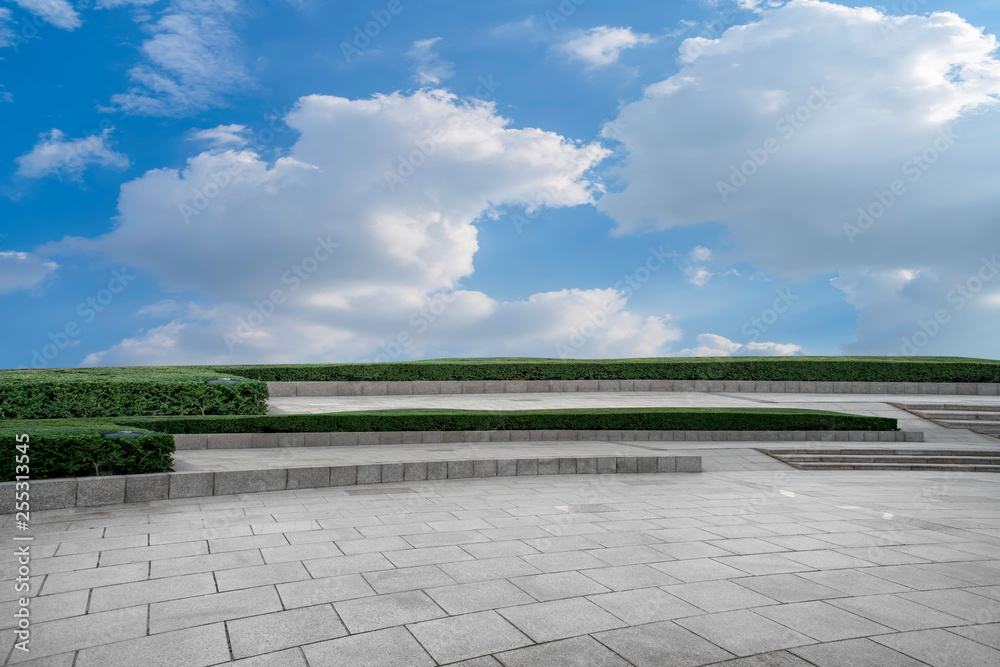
{"x": 287, "y": 389}
{"x": 92, "y": 491}
{"x": 275, "y": 440}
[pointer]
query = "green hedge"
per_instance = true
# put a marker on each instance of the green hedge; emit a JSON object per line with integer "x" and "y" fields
{"x": 112, "y": 392}
{"x": 612, "y": 419}
{"x": 796, "y": 369}
{"x": 76, "y": 448}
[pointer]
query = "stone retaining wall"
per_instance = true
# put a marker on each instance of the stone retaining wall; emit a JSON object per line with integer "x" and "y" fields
{"x": 48, "y": 494}
{"x": 348, "y": 438}
{"x": 285, "y": 389}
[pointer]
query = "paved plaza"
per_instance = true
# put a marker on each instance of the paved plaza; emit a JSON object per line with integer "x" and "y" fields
{"x": 751, "y": 562}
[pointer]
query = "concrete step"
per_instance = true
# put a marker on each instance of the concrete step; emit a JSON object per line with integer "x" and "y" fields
{"x": 827, "y": 458}
{"x": 967, "y": 415}
{"x": 989, "y": 428}
{"x": 952, "y": 406}
{"x": 941, "y": 467}
{"x": 872, "y": 451}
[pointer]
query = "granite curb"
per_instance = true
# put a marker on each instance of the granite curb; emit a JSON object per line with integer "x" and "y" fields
{"x": 50, "y": 494}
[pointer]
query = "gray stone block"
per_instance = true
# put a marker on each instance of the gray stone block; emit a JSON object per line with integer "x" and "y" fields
{"x": 417, "y": 437}
{"x": 391, "y": 437}
{"x": 666, "y": 464}
{"x": 291, "y": 440}
{"x": 887, "y": 436}
{"x": 746, "y": 386}
{"x": 878, "y": 387}
{"x": 776, "y": 386}
{"x": 683, "y": 385}
{"x": 91, "y": 491}
{"x": 548, "y": 435}
{"x": 506, "y": 467}
{"x": 807, "y": 387}
{"x": 640, "y": 385}
{"x": 308, "y": 478}
{"x": 280, "y": 389}
{"x": 7, "y": 501}
{"x": 498, "y": 436}
{"x": 527, "y": 466}
{"x": 701, "y": 386}
{"x": 348, "y": 388}
{"x": 688, "y": 463}
{"x": 516, "y": 386}
{"x": 731, "y": 385}
{"x": 947, "y": 388}
{"x": 570, "y": 386}
{"x": 966, "y": 388}
{"x": 392, "y": 472}
{"x": 792, "y": 387}
{"x": 369, "y": 438}
{"x": 263, "y": 440}
{"x": 586, "y": 385}
{"x": 626, "y": 385}
{"x": 567, "y": 466}
{"x": 987, "y": 389}
{"x": 586, "y": 465}
{"x": 401, "y": 388}
{"x": 318, "y": 439}
{"x": 459, "y": 469}
{"x": 928, "y": 388}
{"x": 485, "y": 468}
{"x": 426, "y": 387}
{"x": 190, "y": 441}
{"x": 343, "y": 475}
{"x": 627, "y": 464}
{"x": 374, "y": 388}
{"x": 370, "y": 474}
{"x": 343, "y": 438}
{"x": 228, "y": 482}
{"x": 539, "y": 386}
{"x": 520, "y": 436}
{"x": 432, "y": 437}
{"x": 495, "y": 387}
{"x": 548, "y": 466}
{"x": 316, "y": 389}
{"x": 414, "y": 472}
{"x": 661, "y": 385}
{"x": 913, "y": 436}
{"x": 608, "y": 385}
{"x": 437, "y": 470}
{"x": 716, "y": 386}
{"x": 143, "y": 488}
{"x": 607, "y": 465}
{"x": 473, "y": 387}
{"x": 646, "y": 464}
{"x": 451, "y": 387}
{"x": 53, "y": 494}
{"x": 228, "y": 441}
{"x": 191, "y": 484}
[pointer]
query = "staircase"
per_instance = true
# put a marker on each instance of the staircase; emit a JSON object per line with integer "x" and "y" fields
{"x": 889, "y": 459}
{"x": 983, "y": 419}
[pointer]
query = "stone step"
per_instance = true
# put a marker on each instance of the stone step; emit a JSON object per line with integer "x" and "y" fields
{"x": 942, "y": 467}
{"x": 963, "y": 460}
{"x": 952, "y": 415}
{"x": 879, "y": 452}
{"x": 285, "y": 389}
{"x": 346, "y": 438}
{"x": 978, "y": 426}
{"x": 47, "y": 494}
{"x": 952, "y": 406}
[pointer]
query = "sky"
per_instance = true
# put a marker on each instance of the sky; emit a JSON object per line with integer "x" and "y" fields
{"x": 302, "y": 181}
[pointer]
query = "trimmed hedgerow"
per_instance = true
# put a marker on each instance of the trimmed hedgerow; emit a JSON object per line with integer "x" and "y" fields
{"x": 112, "y": 392}
{"x": 77, "y": 448}
{"x": 796, "y": 369}
{"x": 610, "y": 419}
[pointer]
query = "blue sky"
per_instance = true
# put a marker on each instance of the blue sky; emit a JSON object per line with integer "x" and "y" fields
{"x": 187, "y": 181}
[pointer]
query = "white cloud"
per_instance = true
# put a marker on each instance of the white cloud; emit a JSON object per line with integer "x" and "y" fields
{"x": 160, "y": 308}
{"x": 882, "y": 90}
{"x": 601, "y": 46}
{"x": 55, "y": 154}
{"x": 222, "y": 135}
{"x": 713, "y": 345}
{"x": 429, "y": 67}
{"x": 701, "y": 254}
{"x": 110, "y": 4}
{"x": 23, "y": 270}
{"x": 400, "y": 243}
{"x": 6, "y": 31}
{"x": 192, "y": 61}
{"x": 57, "y": 12}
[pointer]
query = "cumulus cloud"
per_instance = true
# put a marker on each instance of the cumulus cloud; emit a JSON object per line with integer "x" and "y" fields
{"x": 793, "y": 130}
{"x": 429, "y": 67}
{"x": 56, "y": 154}
{"x": 6, "y": 33}
{"x": 109, "y": 4}
{"x": 23, "y": 270}
{"x": 713, "y": 345}
{"x": 222, "y": 135}
{"x": 192, "y": 61}
{"x": 59, "y": 13}
{"x": 356, "y": 232}
{"x": 601, "y": 46}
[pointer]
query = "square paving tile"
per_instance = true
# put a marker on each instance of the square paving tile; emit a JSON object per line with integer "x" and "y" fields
{"x": 716, "y": 596}
{"x": 744, "y": 632}
{"x": 854, "y": 652}
{"x": 941, "y": 648}
{"x": 557, "y": 585}
{"x": 386, "y": 611}
{"x": 490, "y": 568}
{"x": 394, "y": 647}
{"x": 700, "y": 569}
{"x": 660, "y": 644}
{"x": 964, "y": 604}
{"x": 576, "y": 652}
{"x": 644, "y": 605}
{"x": 627, "y": 577}
{"x": 206, "y": 609}
{"x": 328, "y": 589}
{"x": 478, "y": 596}
{"x": 821, "y": 621}
{"x": 407, "y": 579}
{"x": 559, "y": 619}
{"x": 468, "y": 636}
{"x": 898, "y": 612}
{"x": 194, "y": 647}
{"x": 273, "y": 632}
